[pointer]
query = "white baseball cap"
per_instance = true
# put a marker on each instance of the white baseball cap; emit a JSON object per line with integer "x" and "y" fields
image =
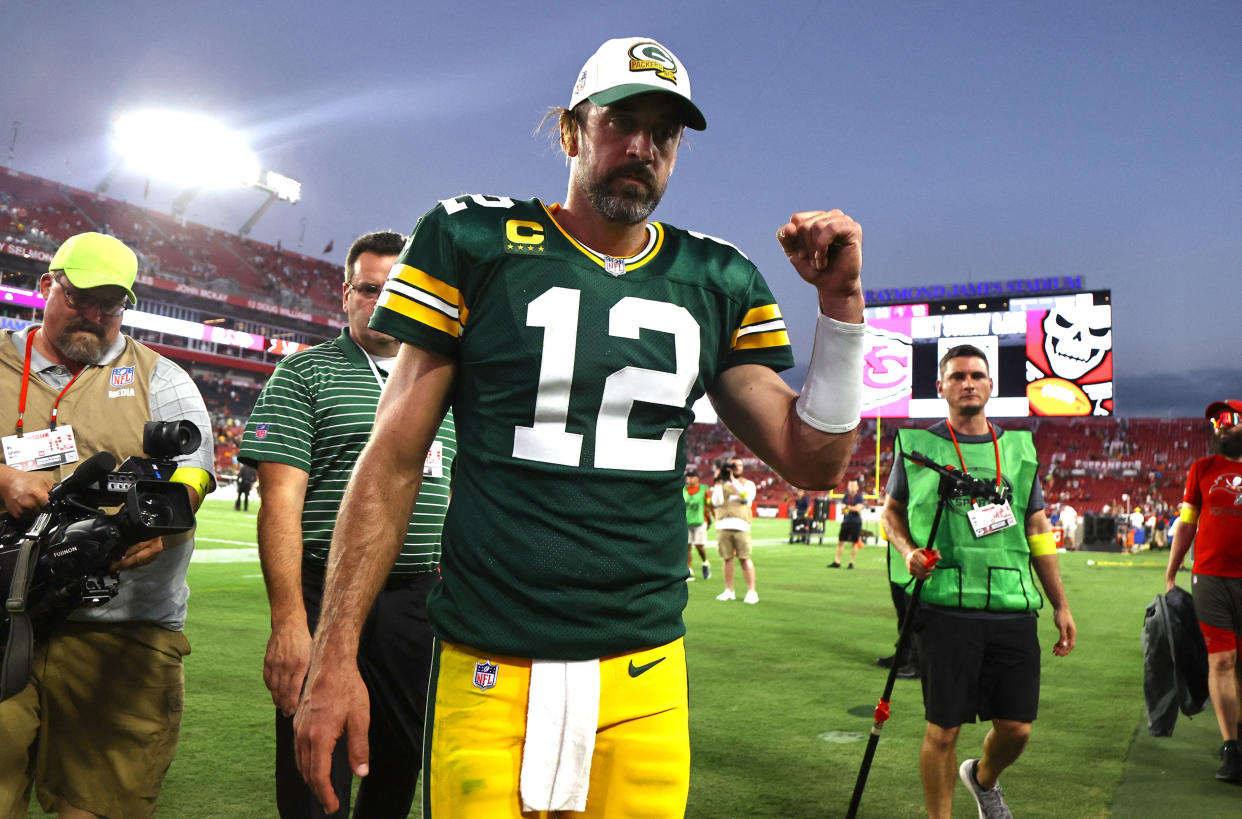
{"x": 629, "y": 66}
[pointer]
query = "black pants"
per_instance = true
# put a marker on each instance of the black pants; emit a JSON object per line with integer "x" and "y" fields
{"x": 394, "y": 658}
{"x": 243, "y": 491}
{"x": 901, "y": 602}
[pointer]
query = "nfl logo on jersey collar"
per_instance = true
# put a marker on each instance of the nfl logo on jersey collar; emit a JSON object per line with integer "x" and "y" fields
{"x": 614, "y": 266}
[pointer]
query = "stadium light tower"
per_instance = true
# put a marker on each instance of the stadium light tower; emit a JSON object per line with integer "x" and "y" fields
{"x": 277, "y": 186}
{"x": 194, "y": 152}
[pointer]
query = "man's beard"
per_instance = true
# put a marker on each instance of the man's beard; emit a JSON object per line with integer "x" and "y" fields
{"x": 970, "y": 410}
{"x": 1228, "y": 443}
{"x": 633, "y": 204}
{"x": 82, "y": 342}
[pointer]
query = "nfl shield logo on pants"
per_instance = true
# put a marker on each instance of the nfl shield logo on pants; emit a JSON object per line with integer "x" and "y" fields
{"x": 485, "y": 675}
{"x": 122, "y": 376}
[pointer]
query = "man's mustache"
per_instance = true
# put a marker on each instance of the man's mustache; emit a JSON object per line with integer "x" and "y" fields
{"x": 86, "y": 326}
{"x": 634, "y": 170}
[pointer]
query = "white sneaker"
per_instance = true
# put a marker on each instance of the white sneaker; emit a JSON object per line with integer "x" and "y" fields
{"x": 991, "y": 801}
{"x": 727, "y": 594}
{"x": 752, "y": 596}
{"x": 690, "y": 578}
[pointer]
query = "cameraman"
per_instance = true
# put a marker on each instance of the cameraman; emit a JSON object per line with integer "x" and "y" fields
{"x": 979, "y": 648}
{"x": 732, "y": 496}
{"x": 96, "y": 728}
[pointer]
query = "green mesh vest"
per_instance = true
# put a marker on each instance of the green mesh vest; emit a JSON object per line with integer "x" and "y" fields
{"x": 991, "y": 573}
{"x": 695, "y": 504}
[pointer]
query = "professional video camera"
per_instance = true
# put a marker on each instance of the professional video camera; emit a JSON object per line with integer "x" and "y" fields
{"x": 957, "y": 484}
{"x": 62, "y": 559}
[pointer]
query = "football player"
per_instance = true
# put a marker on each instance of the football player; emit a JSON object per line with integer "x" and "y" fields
{"x": 572, "y": 341}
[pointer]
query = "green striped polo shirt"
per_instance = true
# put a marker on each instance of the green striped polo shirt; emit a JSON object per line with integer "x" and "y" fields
{"x": 316, "y": 413}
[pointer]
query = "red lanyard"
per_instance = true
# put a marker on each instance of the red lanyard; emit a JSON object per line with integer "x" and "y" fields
{"x": 21, "y": 401}
{"x": 995, "y": 443}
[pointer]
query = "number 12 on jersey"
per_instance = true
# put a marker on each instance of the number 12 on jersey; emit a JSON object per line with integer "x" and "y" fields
{"x": 548, "y": 439}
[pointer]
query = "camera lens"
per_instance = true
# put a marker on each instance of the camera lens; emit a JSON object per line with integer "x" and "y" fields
{"x": 154, "y": 510}
{"x": 164, "y": 439}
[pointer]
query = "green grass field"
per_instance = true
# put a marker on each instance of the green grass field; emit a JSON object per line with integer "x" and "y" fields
{"x": 781, "y": 695}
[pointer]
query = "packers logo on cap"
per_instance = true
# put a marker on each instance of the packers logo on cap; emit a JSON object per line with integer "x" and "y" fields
{"x": 652, "y": 57}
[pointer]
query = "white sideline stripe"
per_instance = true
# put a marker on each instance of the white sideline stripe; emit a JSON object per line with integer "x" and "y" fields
{"x": 229, "y": 542}
{"x": 250, "y": 555}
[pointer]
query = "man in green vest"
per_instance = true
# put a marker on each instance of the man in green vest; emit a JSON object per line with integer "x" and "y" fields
{"x": 979, "y": 646}
{"x": 698, "y": 515}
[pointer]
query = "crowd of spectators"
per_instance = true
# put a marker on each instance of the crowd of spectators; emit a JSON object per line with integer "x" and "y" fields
{"x": 229, "y": 403}
{"x": 19, "y": 221}
{"x": 43, "y": 214}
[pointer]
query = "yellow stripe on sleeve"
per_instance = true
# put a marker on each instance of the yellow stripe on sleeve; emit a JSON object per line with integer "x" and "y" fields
{"x": 758, "y": 315}
{"x": 424, "y": 281}
{"x": 419, "y": 312}
{"x": 755, "y": 341}
{"x": 1188, "y": 514}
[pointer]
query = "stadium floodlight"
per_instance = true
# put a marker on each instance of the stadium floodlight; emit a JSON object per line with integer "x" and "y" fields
{"x": 285, "y": 188}
{"x": 194, "y": 152}
{"x": 189, "y": 150}
{"x": 277, "y": 186}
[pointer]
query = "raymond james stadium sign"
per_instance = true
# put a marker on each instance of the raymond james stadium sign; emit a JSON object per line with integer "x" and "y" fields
{"x": 1012, "y": 287}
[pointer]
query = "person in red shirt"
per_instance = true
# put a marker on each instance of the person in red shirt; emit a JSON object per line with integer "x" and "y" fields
{"x": 1211, "y": 518}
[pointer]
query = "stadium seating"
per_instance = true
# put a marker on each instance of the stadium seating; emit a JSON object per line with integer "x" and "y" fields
{"x": 46, "y": 213}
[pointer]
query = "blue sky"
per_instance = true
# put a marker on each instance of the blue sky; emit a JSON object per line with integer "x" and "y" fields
{"x": 974, "y": 141}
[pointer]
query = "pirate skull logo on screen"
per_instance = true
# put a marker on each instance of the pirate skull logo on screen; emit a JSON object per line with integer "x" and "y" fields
{"x": 1077, "y": 340}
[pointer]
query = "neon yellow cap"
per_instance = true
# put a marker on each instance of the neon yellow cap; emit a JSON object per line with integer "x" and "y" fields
{"x": 96, "y": 260}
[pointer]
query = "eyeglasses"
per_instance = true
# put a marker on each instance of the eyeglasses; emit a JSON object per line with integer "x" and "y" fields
{"x": 1228, "y": 418}
{"x": 79, "y": 301}
{"x": 367, "y": 291}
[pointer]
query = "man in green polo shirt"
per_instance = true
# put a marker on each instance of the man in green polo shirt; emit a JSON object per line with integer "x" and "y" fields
{"x": 307, "y": 429}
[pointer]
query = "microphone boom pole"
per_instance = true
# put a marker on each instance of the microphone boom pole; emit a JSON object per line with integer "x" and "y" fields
{"x": 953, "y": 483}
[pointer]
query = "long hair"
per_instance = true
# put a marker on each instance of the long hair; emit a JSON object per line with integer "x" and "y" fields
{"x": 563, "y": 126}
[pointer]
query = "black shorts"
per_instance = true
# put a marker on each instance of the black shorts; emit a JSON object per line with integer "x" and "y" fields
{"x": 1218, "y": 601}
{"x": 978, "y": 666}
{"x": 851, "y": 530}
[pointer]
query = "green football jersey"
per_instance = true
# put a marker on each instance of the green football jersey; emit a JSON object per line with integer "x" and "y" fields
{"x": 576, "y": 377}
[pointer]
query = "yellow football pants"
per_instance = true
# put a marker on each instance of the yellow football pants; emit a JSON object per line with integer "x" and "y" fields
{"x": 476, "y": 722}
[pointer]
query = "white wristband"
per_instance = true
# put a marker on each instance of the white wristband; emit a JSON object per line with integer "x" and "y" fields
{"x": 831, "y": 398}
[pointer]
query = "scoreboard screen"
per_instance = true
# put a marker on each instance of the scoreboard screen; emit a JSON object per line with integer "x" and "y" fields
{"x": 1048, "y": 355}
